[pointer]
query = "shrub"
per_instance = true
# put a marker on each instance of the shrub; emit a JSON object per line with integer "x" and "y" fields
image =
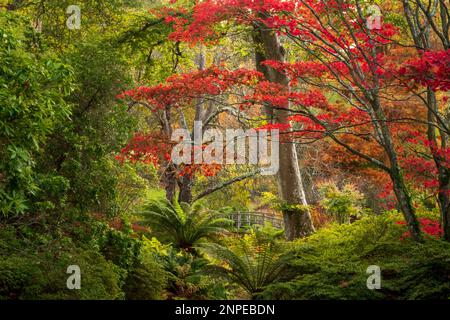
{"x": 185, "y": 276}
{"x": 332, "y": 264}
{"x": 342, "y": 204}
{"x": 100, "y": 279}
{"x": 33, "y": 88}
{"x": 114, "y": 265}
{"x": 148, "y": 279}
{"x": 120, "y": 248}
{"x": 37, "y": 270}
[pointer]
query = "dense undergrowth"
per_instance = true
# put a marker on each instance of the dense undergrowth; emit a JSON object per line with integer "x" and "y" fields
{"x": 331, "y": 264}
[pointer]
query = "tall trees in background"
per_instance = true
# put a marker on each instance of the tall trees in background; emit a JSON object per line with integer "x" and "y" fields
{"x": 298, "y": 222}
{"x": 345, "y": 61}
{"x": 429, "y": 25}
{"x": 200, "y": 27}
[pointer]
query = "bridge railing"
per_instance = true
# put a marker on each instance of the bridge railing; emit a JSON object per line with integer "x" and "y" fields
{"x": 248, "y": 219}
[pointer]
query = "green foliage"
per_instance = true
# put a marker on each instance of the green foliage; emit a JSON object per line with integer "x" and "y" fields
{"x": 186, "y": 279}
{"x": 237, "y": 196}
{"x": 254, "y": 262}
{"x": 268, "y": 232}
{"x": 343, "y": 203}
{"x": 332, "y": 264}
{"x": 182, "y": 224}
{"x": 32, "y": 95}
{"x": 97, "y": 17}
{"x": 120, "y": 248}
{"x": 274, "y": 202}
{"x": 36, "y": 269}
{"x": 83, "y": 150}
{"x": 134, "y": 185}
{"x": 148, "y": 279}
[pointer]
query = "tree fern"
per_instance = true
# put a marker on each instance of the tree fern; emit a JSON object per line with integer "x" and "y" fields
{"x": 182, "y": 224}
{"x": 253, "y": 263}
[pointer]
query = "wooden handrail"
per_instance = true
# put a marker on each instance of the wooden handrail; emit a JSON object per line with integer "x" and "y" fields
{"x": 242, "y": 219}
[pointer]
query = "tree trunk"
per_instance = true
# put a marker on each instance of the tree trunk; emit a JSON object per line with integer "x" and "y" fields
{"x": 404, "y": 201}
{"x": 170, "y": 183}
{"x": 185, "y": 185}
{"x": 417, "y": 26}
{"x": 441, "y": 165}
{"x": 298, "y": 223}
{"x": 444, "y": 201}
{"x": 400, "y": 189}
{"x": 380, "y": 123}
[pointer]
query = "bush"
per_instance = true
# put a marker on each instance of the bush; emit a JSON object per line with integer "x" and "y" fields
{"x": 33, "y": 88}
{"x": 100, "y": 279}
{"x": 341, "y": 204}
{"x": 185, "y": 277}
{"x": 332, "y": 264}
{"x": 38, "y": 270}
{"x": 148, "y": 280}
{"x": 119, "y": 248}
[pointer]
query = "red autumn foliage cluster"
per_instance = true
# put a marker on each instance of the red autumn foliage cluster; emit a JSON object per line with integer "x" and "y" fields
{"x": 431, "y": 69}
{"x": 156, "y": 150}
{"x": 419, "y": 165}
{"x": 276, "y": 95}
{"x": 199, "y": 27}
{"x": 181, "y": 89}
{"x": 428, "y": 226}
{"x": 146, "y": 148}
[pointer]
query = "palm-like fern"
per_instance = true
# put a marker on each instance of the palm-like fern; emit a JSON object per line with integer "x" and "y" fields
{"x": 182, "y": 224}
{"x": 252, "y": 264}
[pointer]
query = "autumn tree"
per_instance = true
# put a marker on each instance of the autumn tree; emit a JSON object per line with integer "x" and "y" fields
{"x": 349, "y": 63}
{"x": 429, "y": 25}
{"x": 198, "y": 91}
{"x": 200, "y": 26}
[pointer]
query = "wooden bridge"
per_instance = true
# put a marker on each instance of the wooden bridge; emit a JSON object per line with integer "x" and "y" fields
{"x": 248, "y": 219}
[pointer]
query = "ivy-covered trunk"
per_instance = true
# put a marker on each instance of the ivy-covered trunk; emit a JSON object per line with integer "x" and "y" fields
{"x": 405, "y": 203}
{"x": 395, "y": 171}
{"x": 297, "y": 223}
